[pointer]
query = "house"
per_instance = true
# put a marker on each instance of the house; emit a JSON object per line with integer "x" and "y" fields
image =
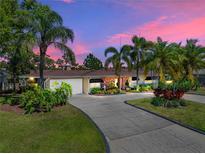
{"x": 83, "y": 80}
{"x": 200, "y": 76}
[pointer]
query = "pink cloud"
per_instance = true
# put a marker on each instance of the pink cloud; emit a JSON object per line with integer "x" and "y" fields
{"x": 171, "y": 31}
{"x": 80, "y": 50}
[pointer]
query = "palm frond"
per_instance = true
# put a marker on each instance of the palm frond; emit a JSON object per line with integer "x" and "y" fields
{"x": 110, "y": 50}
{"x": 67, "y": 51}
{"x": 108, "y": 61}
{"x": 59, "y": 33}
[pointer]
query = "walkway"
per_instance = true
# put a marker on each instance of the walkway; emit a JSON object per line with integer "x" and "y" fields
{"x": 128, "y": 129}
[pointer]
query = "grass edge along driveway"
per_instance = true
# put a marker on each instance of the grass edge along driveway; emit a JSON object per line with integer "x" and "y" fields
{"x": 65, "y": 129}
{"x": 193, "y": 114}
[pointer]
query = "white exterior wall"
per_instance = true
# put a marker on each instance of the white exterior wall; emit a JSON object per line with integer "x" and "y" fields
{"x": 95, "y": 85}
{"x": 77, "y": 84}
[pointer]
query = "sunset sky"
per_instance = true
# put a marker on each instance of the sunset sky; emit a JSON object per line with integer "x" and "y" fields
{"x": 98, "y": 24}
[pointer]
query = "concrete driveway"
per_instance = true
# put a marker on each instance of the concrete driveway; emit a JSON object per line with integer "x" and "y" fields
{"x": 128, "y": 129}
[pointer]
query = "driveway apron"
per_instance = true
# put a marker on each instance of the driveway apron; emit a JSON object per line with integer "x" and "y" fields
{"x": 129, "y": 129}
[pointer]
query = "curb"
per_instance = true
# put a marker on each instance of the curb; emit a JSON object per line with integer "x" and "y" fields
{"x": 107, "y": 147}
{"x": 171, "y": 120}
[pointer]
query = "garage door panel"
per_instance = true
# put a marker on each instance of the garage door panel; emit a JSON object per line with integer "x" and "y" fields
{"x": 75, "y": 83}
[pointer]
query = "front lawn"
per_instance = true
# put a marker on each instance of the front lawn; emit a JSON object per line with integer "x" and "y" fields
{"x": 193, "y": 114}
{"x": 64, "y": 129}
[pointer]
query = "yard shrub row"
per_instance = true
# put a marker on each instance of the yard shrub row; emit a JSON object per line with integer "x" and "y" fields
{"x": 99, "y": 91}
{"x": 43, "y": 100}
{"x": 169, "y": 95}
{"x": 160, "y": 101}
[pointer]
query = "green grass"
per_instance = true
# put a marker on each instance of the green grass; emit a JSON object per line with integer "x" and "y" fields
{"x": 200, "y": 91}
{"x": 193, "y": 114}
{"x": 64, "y": 129}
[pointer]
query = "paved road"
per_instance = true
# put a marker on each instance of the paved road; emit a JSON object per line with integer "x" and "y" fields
{"x": 196, "y": 98}
{"x": 128, "y": 129}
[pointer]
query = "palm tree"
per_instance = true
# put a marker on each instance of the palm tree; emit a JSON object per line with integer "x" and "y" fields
{"x": 194, "y": 58}
{"x": 162, "y": 58}
{"x": 118, "y": 59}
{"x": 49, "y": 30}
{"x": 137, "y": 54}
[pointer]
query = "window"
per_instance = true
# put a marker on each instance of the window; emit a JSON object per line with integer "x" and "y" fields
{"x": 134, "y": 78}
{"x": 151, "y": 78}
{"x": 96, "y": 81}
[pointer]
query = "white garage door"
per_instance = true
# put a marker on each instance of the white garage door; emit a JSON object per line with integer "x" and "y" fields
{"x": 75, "y": 83}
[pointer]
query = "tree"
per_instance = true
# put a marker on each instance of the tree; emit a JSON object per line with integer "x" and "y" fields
{"x": 49, "y": 30}
{"x": 92, "y": 62}
{"x": 60, "y": 62}
{"x": 118, "y": 59}
{"x": 137, "y": 54}
{"x": 16, "y": 38}
{"x": 194, "y": 58}
{"x": 162, "y": 58}
{"x": 50, "y": 64}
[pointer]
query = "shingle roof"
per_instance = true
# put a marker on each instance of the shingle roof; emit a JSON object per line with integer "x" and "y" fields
{"x": 83, "y": 73}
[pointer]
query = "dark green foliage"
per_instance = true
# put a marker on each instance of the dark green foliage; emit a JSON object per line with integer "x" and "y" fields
{"x": 43, "y": 100}
{"x": 142, "y": 88}
{"x": 93, "y": 62}
{"x": 16, "y": 39}
{"x": 160, "y": 101}
{"x": 62, "y": 93}
{"x": 48, "y": 30}
{"x": 118, "y": 59}
{"x": 145, "y": 87}
{"x": 99, "y": 91}
{"x": 183, "y": 84}
{"x": 174, "y": 90}
{"x": 10, "y": 99}
{"x": 94, "y": 91}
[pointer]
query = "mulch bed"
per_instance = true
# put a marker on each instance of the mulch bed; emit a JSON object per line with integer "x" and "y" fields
{"x": 13, "y": 108}
{"x": 18, "y": 110}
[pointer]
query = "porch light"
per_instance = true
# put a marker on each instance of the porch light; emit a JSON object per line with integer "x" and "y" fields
{"x": 169, "y": 81}
{"x": 31, "y": 78}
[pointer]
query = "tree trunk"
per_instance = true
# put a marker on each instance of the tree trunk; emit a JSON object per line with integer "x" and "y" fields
{"x": 42, "y": 65}
{"x": 119, "y": 83}
{"x": 190, "y": 74}
{"x": 161, "y": 75}
{"x": 137, "y": 74}
{"x": 14, "y": 82}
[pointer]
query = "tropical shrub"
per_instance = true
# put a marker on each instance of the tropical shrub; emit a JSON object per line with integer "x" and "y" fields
{"x": 10, "y": 99}
{"x": 62, "y": 93}
{"x": 112, "y": 91}
{"x": 161, "y": 101}
{"x": 145, "y": 87}
{"x": 142, "y": 88}
{"x": 43, "y": 100}
{"x": 174, "y": 90}
{"x": 35, "y": 100}
{"x": 2, "y": 100}
{"x": 96, "y": 90}
{"x": 158, "y": 101}
{"x": 99, "y": 91}
{"x": 111, "y": 85}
